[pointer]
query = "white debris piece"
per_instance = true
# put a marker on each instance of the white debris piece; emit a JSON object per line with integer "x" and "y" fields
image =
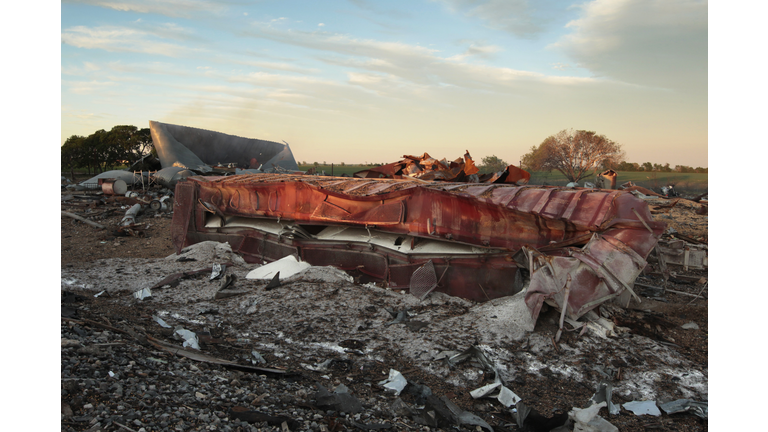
{"x": 161, "y": 322}
{"x": 507, "y": 397}
{"x": 484, "y": 390}
{"x": 190, "y": 338}
{"x": 257, "y": 358}
{"x": 587, "y": 420}
{"x": 643, "y": 408}
{"x": 396, "y": 381}
{"x": 143, "y": 293}
{"x": 287, "y": 266}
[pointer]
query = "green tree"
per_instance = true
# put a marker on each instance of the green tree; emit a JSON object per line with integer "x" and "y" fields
{"x": 573, "y": 153}
{"x": 72, "y": 154}
{"x": 491, "y": 164}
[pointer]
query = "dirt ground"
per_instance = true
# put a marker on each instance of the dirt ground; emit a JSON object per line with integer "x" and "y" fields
{"x": 652, "y": 356}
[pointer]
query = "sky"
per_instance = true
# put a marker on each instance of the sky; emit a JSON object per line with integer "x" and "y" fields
{"x": 360, "y": 81}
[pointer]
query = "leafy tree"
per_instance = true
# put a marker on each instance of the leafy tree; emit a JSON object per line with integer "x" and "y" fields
{"x": 123, "y": 144}
{"x": 491, "y": 164}
{"x": 72, "y": 154}
{"x": 573, "y": 153}
{"x": 647, "y": 166}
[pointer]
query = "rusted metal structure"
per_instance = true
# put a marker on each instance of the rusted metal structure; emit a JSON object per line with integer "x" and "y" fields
{"x": 427, "y": 168}
{"x": 479, "y": 241}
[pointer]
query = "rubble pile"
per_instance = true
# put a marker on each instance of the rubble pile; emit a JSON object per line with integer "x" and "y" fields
{"x": 420, "y": 297}
{"x": 315, "y": 353}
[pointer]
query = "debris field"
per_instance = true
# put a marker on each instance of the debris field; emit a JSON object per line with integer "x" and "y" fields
{"x": 157, "y": 338}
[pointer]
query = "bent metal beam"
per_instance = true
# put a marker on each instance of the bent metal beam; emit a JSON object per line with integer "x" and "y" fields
{"x": 482, "y": 239}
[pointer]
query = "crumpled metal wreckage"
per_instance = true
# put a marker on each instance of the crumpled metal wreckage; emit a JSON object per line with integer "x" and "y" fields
{"x": 202, "y": 151}
{"x": 427, "y": 168}
{"x": 579, "y": 247}
{"x": 186, "y": 151}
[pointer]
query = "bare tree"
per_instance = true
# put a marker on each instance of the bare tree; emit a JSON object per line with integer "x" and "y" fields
{"x": 573, "y": 153}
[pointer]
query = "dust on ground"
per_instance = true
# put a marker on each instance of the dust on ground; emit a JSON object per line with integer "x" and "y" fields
{"x": 326, "y": 329}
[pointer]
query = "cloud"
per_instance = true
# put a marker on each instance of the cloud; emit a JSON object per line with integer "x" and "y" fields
{"x": 513, "y": 16}
{"x": 170, "y": 8}
{"x": 660, "y": 43}
{"x": 476, "y": 50}
{"x": 286, "y": 67}
{"x": 89, "y": 87}
{"x": 121, "y": 39}
{"x": 417, "y": 65}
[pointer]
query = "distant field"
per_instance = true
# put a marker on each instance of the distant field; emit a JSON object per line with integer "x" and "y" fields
{"x": 337, "y": 169}
{"x": 690, "y": 183}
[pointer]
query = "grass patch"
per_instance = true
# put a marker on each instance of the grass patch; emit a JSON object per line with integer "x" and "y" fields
{"x": 687, "y": 183}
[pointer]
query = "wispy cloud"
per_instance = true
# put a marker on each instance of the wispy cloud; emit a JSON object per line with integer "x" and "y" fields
{"x": 89, "y": 87}
{"x": 281, "y": 66}
{"x": 170, "y": 8}
{"x": 649, "y": 42}
{"x": 477, "y": 50}
{"x": 513, "y": 16}
{"x": 122, "y": 39}
{"x": 416, "y": 64}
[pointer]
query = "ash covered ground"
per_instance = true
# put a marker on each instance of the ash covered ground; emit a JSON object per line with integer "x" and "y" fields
{"x": 311, "y": 354}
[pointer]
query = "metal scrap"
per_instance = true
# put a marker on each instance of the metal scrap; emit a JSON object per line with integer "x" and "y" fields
{"x": 686, "y": 405}
{"x": 204, "y": 151}
{"x": 427, "y": 168}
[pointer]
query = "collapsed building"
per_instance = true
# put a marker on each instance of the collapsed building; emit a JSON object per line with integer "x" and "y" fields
{"x": 417, "y": 225}
{"x": 573, "y": 247}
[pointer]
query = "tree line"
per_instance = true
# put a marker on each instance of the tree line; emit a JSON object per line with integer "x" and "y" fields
{"x": 121, "y": 146}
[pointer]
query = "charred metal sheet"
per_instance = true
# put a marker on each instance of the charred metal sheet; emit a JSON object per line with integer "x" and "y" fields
{"x": 683, "y": 253}
{"x": 471, "y": 233}
{"x": 199, "y": 150}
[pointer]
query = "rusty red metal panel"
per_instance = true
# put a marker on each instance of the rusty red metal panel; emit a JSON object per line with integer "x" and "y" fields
{"x": 497, "y": 220}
